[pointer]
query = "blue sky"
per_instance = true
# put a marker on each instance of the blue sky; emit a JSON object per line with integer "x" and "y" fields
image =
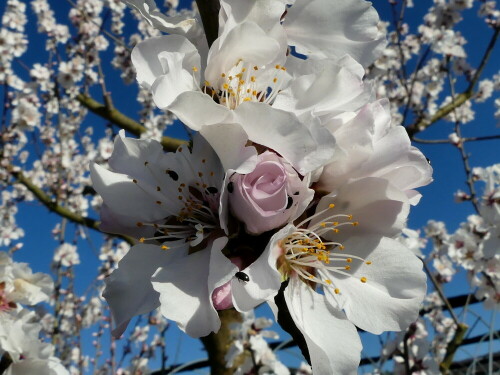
{"x": 437, "y": 202}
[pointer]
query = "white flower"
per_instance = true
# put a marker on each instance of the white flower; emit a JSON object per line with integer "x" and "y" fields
{"x": 67, "y": 255}
{"x": 19, "y": 336}
{"x": 368, "y": 146}
{"x": 173, "y": 203}
{"x": 20, "y": 285}
{"x": 243, "y": 75}
{"x": 370, "y": 281}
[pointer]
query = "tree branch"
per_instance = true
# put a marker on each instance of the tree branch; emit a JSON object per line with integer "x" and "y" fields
{"x": 47, "y": 201}
{"x": 453, "y": 345}
{"x": 463, "y": 140}
{"x": 209, "y": 12}
{"x": 116, "y": 117}
{"x": 460, "y": 99}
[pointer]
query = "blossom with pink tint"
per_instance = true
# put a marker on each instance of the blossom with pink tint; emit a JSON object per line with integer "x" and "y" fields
{"x": 270, "y": 196}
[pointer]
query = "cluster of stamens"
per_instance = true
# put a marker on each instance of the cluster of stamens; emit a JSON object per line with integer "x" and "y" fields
{"x": 197, "y": 215}
{"x": 312, "y": 258}
{"x": 243, "y": 83}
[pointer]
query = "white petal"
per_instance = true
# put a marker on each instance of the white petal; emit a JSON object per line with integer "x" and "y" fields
{"x": 375, "y": 204}
{"x": 265, "y": 280}
{"x": 326, "y": 87}
{"x": 155, "y": 18}
{"x": 127, "y": 198}
{"x": 265, "y": 13}
{"x": 196, "y": 109}
{"x": 306, "y": 147}
{"x": 247, "y": 42}
{"x": 391, "y": 297}
{"x": 129, "y": 155}
{"x": 228, "y": 141}
{"x": 186, "y": 286}
{"x": 322, "y": 29}
{"x": 333, "y": 342}
{"x": 157, "y": 56}
{"x": 128, "y": 289}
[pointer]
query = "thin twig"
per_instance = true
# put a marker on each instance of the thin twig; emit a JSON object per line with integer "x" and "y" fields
{"x": 463, "y": 153}
{"x": 463, "y": 140}
{"x": 441, "y": 294}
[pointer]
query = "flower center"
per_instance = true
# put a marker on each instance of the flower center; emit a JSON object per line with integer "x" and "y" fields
{"x": 245, "y": 82}
{"x": 307, "y": 254}
{"x": 197, "y": 213}
{"x": 5, "y": 304}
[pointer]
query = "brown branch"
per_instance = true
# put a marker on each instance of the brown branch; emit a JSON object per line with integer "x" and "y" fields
{"x": 5, "y": 362}
{"x": 116, "y": 117}
{"x": 453, "y": 345}
{"x": 209, "y": 12}
{"x": 217, "y": 344}
{"x": 47, "y": 201}
{"x": 460, "y": 99}
{"x": 463, "y": 140}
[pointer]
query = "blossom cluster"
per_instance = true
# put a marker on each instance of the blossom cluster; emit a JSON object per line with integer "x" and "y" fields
{"x": 291, "y": 192}
{"x": 310, "y": 137}
{"x": 19, "y": 325}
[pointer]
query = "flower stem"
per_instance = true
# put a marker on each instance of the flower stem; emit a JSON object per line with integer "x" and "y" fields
{"x": 217, "y": 344}
{"x": 453, "y": 345}
{"x": 209, "y": 12}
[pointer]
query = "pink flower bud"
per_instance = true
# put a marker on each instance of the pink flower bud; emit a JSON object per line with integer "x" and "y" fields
{"x": 269, "y": 196}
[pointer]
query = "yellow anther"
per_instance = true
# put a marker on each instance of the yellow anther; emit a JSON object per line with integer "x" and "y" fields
{"x": 363, "y": 279}
{"x": 247, "y": 99}
{"x": 335, "y": 230}
{"x": 349, "y": 217}
{"x": 225, "y": 86}
{"x": 368, "y": 262}
{"x": 336, "y": 290}
{"x": 252, "y": 78}
{"x": 134, "y": 181}
{"x": 223, "y": 75}
{"x": 207, "y": 83}
{"x": 323, "y": 225}
{"x": 328, "y": 282}
{"x": 242, "y": 81}
{"x": 243, "y": 70}
{"x": 275, "y": 80}
{"x": 142, "y": 239}
{"x": 180, "y": 197}
{"x": 255, "y": 68}
{"x": 254, "y": 92}
{"x": 283, "y": 68}
{"x": 311, "y": 277}
{"x": 335, "y": 223}
{"x": 230, "y": 77}
{"x": 164, "y": 247}
{"x": 248, "y": 91}
{"x": 195, "y": 69}
{"x": 349, "y": 260}
{"x": 200, "y": 174}
{"x": 278, "y": 66}
{"x": 139, "y": 224}
{"x": 331, "y": 205}
{"x": 355, "y": 223}
{"x": 347, "y": 268}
